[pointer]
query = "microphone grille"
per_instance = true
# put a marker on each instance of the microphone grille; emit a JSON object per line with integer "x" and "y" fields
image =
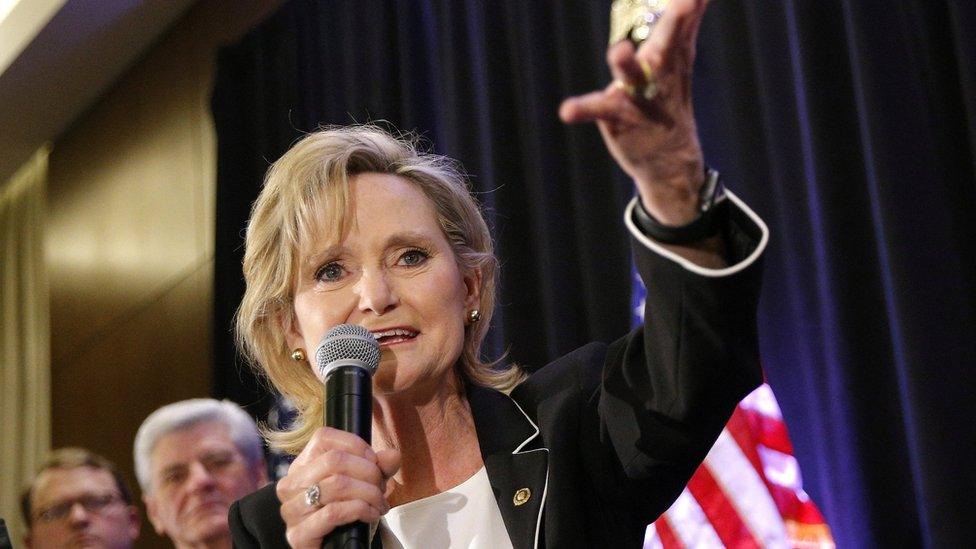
{"x": 347, "y": 342}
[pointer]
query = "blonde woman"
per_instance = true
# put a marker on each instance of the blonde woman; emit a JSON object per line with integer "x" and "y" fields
{"x": 357, "y": 226}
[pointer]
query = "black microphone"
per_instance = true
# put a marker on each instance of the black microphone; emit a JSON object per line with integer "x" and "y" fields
{"x": 4, "y": 536}
{"x": 345, "y": 361}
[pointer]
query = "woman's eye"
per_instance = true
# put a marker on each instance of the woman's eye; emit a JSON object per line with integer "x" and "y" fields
{"x": 413, "y": 257}
{"x": 329, "y": 272}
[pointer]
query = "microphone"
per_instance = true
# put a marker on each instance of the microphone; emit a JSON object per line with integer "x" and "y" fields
{"x": 4, "y": 536}
{"x": 345, "y": 361}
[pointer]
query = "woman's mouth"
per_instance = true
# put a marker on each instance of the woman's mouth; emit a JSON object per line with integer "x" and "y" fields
{"x": 394, "y": 336}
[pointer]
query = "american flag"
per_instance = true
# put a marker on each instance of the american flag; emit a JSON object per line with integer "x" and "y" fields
{"x": 748, "y": 492}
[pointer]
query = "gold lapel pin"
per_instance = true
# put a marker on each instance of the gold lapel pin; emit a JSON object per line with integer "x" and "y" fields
{"x": 522, "y": 495}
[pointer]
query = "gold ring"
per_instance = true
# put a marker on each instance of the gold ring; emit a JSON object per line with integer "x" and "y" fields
{"x": 629, "y": 89}
{"x": 647, "y": 70}
{"x": 650, "y": 89}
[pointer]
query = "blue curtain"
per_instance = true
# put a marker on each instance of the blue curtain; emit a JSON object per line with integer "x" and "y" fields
{"x": 849, "y": 126}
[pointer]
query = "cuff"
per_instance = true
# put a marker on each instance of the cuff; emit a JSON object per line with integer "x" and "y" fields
{"x": 751, "y": 224}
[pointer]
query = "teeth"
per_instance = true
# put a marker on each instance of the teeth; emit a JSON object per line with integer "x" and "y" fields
{"x": 395, "y": 332}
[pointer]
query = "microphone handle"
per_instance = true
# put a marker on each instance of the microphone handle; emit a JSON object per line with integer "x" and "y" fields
{"x": 348, "y": 406}
{"x": 4, "y": 536}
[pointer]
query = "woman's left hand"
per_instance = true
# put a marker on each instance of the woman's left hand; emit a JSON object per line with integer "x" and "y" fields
{"x": 654, "y": 139}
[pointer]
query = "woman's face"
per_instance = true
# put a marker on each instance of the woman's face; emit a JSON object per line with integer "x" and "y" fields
{"x": 395, "y": 274}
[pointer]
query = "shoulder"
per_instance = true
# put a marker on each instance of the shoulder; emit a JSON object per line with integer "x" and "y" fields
{"x": 571, "y": 376}
{"x": 255, "y": 520}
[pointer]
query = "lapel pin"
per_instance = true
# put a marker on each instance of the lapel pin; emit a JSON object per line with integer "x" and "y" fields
{"x": 522, "y": 495}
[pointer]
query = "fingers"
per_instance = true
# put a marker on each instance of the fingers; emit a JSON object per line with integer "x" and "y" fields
{"x": 623, "y": 63}
{"x": 627, "y": 77}
{"x": 337, "y": 462}
{"x": 309, "y": 532}
{"x": 327, "y": 438}
{"x": 598, "y": 105}
{"x": 661, "y": 66}
{"x": 674, "y": 35}
{"x": 334, "y": 489}
{"x": 330, "y": 452}
{"x": 351, "y": 485}
{"x": 389, "y": 462}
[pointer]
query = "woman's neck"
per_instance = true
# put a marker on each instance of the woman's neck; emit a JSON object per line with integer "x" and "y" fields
{"x": 435, "y": 435}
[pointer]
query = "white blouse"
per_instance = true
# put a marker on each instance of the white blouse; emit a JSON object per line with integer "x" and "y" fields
{"x": 464, "y": 516}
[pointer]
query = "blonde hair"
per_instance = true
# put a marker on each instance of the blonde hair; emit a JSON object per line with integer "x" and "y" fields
{"x": 306, "y": 193}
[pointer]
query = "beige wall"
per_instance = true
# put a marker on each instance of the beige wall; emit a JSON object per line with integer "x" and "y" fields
{"x": 130, "y": 242}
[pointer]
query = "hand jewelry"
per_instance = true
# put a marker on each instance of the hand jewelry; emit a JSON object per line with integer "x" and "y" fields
{"x": 634, "y": 20}
{"x": 312, "y": 494}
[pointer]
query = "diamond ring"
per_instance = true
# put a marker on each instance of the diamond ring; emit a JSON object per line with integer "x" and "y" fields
{"x": 312, "y": 494}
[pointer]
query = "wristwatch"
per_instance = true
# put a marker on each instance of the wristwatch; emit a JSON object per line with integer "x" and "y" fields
{"x": 711, "y": 197}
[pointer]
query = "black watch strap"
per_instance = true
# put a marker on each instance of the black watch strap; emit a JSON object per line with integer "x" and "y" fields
{"x": 711, "y": 199}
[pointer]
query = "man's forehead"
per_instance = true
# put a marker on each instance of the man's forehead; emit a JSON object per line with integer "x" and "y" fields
{"x": 188, "y": 444}
{"x": 67, "y": 482}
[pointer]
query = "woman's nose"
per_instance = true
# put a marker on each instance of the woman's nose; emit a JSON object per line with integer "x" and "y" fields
{"x": 376, "y": 295}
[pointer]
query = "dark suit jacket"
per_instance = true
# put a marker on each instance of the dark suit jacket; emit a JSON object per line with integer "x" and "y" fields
{"x": 605, "y": 438}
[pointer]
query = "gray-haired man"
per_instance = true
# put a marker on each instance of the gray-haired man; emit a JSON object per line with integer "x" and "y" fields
{"x": 193, "y": 459}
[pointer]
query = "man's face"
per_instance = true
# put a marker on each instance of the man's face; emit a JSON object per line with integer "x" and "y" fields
{"x": 80, "y": 507}
{"x": 196, "y": 474}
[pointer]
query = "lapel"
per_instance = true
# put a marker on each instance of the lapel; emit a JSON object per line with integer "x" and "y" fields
{"x": 516, "y": 461}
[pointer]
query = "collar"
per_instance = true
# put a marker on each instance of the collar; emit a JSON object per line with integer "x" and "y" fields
{"x": 516, "y": 460}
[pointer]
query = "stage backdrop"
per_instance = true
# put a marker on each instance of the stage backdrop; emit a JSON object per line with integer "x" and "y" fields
{"x": 849, "y": 125}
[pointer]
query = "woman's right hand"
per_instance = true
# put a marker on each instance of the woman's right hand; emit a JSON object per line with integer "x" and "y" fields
{"x": 352, "y": 484}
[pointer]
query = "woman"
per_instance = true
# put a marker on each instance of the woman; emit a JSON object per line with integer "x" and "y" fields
{"x": 356, "y": 226}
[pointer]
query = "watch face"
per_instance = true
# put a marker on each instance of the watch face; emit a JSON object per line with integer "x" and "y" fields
{"x": 712, "y": 192}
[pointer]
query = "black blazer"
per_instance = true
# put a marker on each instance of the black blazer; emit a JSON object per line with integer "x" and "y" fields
{"x": 603, "y": 440}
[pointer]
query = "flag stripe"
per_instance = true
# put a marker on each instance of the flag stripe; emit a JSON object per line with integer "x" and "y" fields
{"x": 789, "y": 498}
{"x": 721, "y": 513}
{"x": 651, "y": 538}
{"x": 740, "y": 429}
{"x": 785, "y": 499}
{"x": 780, "y": 469}
{"x": 737, "y": 476}
{"x": 666, "y": 536}
{"x": 763, "y": 402}
{"x": 690, "y": 525}
{"x": 770, "y": 431}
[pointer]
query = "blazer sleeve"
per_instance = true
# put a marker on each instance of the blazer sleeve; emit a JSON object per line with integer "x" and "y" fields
{"x": 668, "y": 388}
{"x": 255, "y": 520}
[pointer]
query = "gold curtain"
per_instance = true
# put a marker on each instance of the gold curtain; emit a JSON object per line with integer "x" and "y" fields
{"x": 25, "y": 394}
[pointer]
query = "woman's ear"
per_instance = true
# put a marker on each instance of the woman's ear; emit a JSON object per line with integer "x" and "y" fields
{"x": 472, "y": 285}
{"x": 289, "y": 327}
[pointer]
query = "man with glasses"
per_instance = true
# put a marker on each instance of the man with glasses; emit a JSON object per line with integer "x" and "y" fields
{"x": 79, "y": 499}
{"x": 193, "y": 459}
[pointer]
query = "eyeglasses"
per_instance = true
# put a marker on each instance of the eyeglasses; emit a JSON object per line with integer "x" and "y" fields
{"x": 92, "y": 503}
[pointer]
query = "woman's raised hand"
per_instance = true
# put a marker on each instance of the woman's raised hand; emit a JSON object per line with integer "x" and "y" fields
{"x": 646, "y": 115}
{"x": 351, "y": 480}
